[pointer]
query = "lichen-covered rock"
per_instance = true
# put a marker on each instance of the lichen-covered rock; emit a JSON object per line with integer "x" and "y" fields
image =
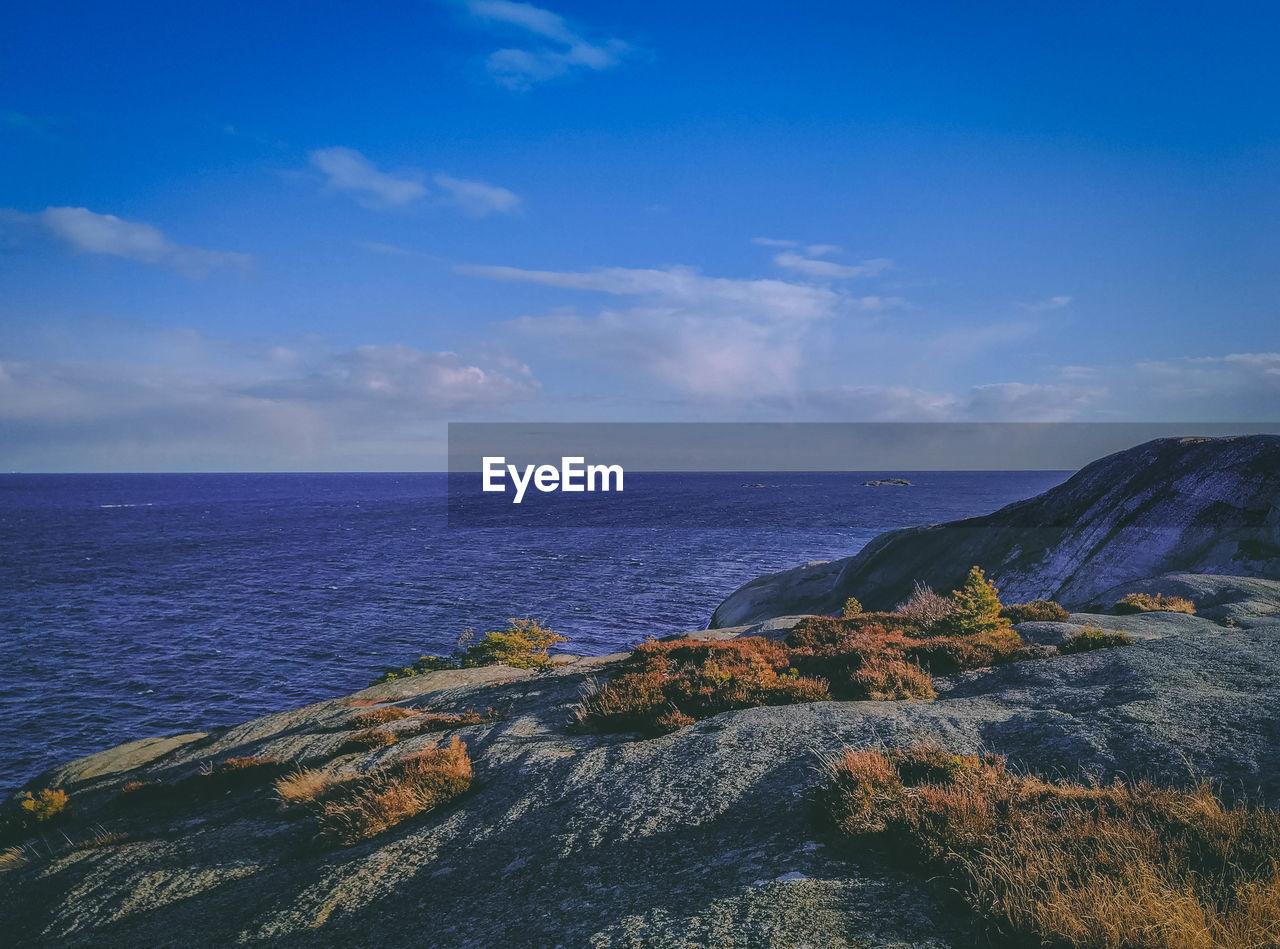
{"x": 1203, "y": 506}
{"x": 702, "y": 837}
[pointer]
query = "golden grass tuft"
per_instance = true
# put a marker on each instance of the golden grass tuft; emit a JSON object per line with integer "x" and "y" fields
{"x": 367, "y": 806}
{"x": 13, "y": 858}
{"x": 424, "y": 721}
{"x": 1122, "y": 866}
{"x": 304, "y": 786}
{"x": 1153, "y": 603}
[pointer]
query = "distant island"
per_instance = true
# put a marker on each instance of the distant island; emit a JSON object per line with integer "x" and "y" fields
{"x": 888, "y": 483}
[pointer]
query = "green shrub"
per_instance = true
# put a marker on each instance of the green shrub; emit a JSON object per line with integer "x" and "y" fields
{"x": 524, "y": 644}
{"x": 852, "y": 607}
{"x": 1037, "y": 611}
{"x": 977, "y": 607}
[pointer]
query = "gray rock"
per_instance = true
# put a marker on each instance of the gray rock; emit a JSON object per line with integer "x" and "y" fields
{"x": 703, "y": 837}
{"x": 1205, "y": 506}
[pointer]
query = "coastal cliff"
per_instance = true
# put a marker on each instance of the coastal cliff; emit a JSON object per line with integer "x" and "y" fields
{"x": 1194, "y": 505}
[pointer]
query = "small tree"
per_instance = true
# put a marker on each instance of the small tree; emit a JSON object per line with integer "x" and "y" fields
{"x": 523, "y": 644}
{"x": 977, "y": 606}
{"x": 852, "y": 607}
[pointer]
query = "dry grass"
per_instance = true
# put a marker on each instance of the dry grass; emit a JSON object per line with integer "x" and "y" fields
{"x": 13, "y": 858}
{"x": 889, "y": 679}
{"x": 364, "y": 807}
{"x": 1093, "y": 637}
{"x": 666, "y": 685}
{"x": 424, "y": 722}
{"x": 380, "y": 716}
{"x": 233, "y": 774}
{"x": 1153, "y": 603}
{"x": 1037, "y": 611}
{"x": 1124, "y": 866}
{"x": 304, "y": 786}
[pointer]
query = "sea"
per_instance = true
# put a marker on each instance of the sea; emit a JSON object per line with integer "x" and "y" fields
{"x": 153, "y": 604}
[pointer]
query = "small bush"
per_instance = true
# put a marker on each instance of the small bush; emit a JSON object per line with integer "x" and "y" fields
{"x": 1092, "y": 637}
{"x": 1125, "y": 866}
{"x": 47, "y": 805}
{"x": 925, "y": 608}
{"x": 1037, "y": 611}
{"x": 852, "y": 607}
{"x": 977, "y": 607}
{"x": 524, "y": 644}
{"x": 367, "y": 806}
{"x": 1148, "y": 603}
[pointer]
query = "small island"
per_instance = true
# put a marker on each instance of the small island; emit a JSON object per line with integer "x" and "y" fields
{"x": 887, "y": 483}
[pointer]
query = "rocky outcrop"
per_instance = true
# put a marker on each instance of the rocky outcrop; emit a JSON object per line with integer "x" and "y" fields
{"x": 703, "y": 837}
{"x": 1194, "y": 505}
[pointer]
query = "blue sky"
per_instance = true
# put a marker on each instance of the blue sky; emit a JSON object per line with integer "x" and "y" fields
{"x": 304, "y": 236}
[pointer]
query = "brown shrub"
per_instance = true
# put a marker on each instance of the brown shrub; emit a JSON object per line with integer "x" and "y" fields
{"x": 365, "y": 807}
{"x": 925, "y": 608}
{"x": 1092, "y": 637}
{"x": 380, "y": 716}
{"x": 696, "y": 679}
{"x": 1119, "y": 866}
{"x": 1037, "y": 611}
{"x": 367, "y": 740}
{"x": 1149, "y": 603}
{"x": 889, "y": 679}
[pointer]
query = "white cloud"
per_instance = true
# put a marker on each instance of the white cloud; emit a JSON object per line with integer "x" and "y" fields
{"x": 345, "y": 169}
{"x": 827, "y": 269}
{"x": 711, "y": 338}
{"x": 554, "y": 48}
{"x": 348, "y": 170}
{"x": 774, "y": 242}
{"x": 182, "y": 400}
{"x": 477, "y": 198}
{"x": 87, "y": 232}
{"x": 1045, "y": 306}
{"x": 687, "y": 288}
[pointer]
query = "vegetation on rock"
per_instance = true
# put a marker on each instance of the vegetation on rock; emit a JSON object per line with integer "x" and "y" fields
{"x": 852, "y": 607}
{"x": 362, "y": 807}
{"x": 1037, "y": 611}
{"x": 1069, "y": 865}
{"x": 1153, "y": 603}
{"x": 880, "y": 656}
{"x": 524, "y": 644}
{"x": 1093, "y": 637}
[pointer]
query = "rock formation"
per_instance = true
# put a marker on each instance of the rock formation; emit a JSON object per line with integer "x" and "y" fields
{"x": 1193, "y": 505}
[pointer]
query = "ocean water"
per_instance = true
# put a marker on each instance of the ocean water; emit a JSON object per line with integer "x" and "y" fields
{"x": 138, "y": 605}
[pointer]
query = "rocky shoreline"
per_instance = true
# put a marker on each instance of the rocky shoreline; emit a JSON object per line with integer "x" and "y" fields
{"x": 705, "y": 836}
